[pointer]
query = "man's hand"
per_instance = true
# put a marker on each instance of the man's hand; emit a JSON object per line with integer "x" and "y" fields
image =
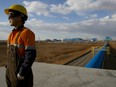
{"x": 20, "y": 77}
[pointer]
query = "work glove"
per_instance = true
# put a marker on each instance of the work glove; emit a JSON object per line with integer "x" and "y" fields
{"x": 5, "y": 66}
{"x": 20, "y": 77}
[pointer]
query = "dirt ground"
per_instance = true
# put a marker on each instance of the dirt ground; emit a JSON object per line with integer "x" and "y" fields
{"x": 56, "y": 53}
{"x": 3, "y": 53}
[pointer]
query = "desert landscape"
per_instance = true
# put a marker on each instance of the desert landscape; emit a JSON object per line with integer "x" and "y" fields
{"x": 55, "y": 53}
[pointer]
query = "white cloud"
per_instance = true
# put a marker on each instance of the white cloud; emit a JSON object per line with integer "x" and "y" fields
{"x": 91, "y": 16}
{"x": 41, "y": 8}
{"x": 92, "y": 4}
{"x": 95, "y": 27}
{"x": 113, "y": 16}
{"x": 78, "y": 6}
{"x": 109, "y": 18}
{"x": 92, "y": 27}
{"x": 65, "y": 17}
{"x": 4, "y": 23}
{"x": 94, "y": 16}
{"x": 62, "y": 9}
{"x": 103, "y": 5}
{"x": 37, "y": 7}
{"x": 4, "y": 30}
{"x": 34, "y": 22}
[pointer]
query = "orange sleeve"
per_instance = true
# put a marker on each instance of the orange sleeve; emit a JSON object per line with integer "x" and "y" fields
{"x": 28, "y": 38}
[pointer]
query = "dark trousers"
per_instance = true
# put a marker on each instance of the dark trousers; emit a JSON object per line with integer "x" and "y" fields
{"x": 13, "y": 65}
{"x": 11, "y": 82}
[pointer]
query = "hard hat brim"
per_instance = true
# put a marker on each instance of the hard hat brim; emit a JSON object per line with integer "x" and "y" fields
{"x": 18, "y": 8}
{"x": 6, "y": 11}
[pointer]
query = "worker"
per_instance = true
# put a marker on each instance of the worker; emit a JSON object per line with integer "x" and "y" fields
{"x": 21, "y": 49}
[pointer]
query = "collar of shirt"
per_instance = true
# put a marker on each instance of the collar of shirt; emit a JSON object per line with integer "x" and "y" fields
{"x": 19, "y": 28}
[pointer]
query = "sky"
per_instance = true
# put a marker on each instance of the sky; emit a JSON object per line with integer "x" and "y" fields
{"x": 59, "y": 19}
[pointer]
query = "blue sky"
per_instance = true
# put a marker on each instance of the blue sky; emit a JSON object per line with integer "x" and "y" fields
{"x": 58, "y": 19}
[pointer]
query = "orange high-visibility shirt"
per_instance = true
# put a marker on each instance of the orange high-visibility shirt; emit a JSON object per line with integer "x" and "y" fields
{"x": 25, "y": 41}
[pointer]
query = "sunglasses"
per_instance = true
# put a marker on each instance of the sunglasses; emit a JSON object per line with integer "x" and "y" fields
{"x": 12, "y": 15}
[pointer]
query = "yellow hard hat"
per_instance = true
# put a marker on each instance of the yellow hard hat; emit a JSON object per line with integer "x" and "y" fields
{"x": 17, "y": 7}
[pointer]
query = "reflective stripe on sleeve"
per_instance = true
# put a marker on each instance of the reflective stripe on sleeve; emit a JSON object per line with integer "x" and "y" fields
{"x": 8, "y": 44}
{"x": 30, "y": 48}
{"x": 25, "y": 47}
{"x": 19, "y": 45}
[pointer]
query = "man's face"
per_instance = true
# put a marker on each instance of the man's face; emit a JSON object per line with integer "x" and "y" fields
{"x": 13, "y": 18}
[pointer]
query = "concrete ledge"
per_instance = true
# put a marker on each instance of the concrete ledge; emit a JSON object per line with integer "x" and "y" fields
{"x": 51, "y": 75}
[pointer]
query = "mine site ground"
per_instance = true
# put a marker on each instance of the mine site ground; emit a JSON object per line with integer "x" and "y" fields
{"x": 62, "y": 53}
